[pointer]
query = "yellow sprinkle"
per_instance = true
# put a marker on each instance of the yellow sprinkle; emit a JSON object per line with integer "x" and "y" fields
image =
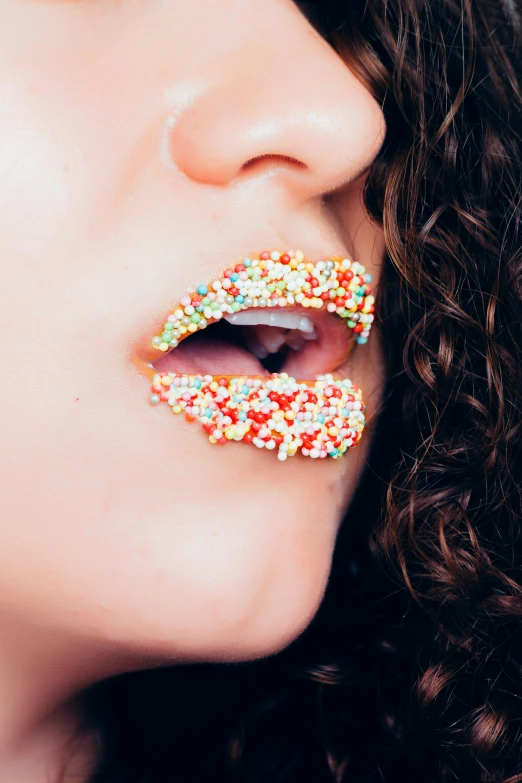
{"x": 293, "y": 263}
{"x": 290, "y": 415}
{"x": 299, "y": 255}
{"x": 176, "y": 409}
{"x": 212, "y": 439}
{"x": 214, "y": 386}
{"x": 182, "y": 329}
{"x": 163, "y": 346}
{"x": 166, "y": 380}
{"x": 333, "y": 431}
{"x": 230, "y": 433}
{"x": 192, "y": 327}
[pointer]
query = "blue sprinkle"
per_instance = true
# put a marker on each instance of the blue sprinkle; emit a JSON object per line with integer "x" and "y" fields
{"x": 234, "y": 276}
{"x": 199, "y": 309}
{"x": 362, "y": 340}
{"x": 346, "y": 412}
{"x": 334, "y": 452}
{"x": 320, "y": 418}
{"x": 196, "y": 383}
{"x": 247, "y": 262}
{"x": 209, "y": 412}
{"x": 245, "y": 390}
{"x": 238, "y": 398}
{"x": 202, "y": 290}
{"x": 242, "y": 416}
{"x": 367, "y": 278}
{"x": 240, "y": 298}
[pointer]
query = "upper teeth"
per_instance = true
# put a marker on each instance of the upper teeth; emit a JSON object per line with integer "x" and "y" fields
{"x": 273, "y": 329}
{"x": 284, "y": 320}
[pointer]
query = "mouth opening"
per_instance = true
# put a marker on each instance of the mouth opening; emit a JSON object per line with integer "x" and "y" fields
{"x": 260, "y": 342}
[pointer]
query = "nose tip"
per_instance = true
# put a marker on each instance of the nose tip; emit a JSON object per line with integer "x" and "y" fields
{"x": 297, "y": 112}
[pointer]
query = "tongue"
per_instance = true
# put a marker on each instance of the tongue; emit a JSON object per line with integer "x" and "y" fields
{"x": 212, "y": 356}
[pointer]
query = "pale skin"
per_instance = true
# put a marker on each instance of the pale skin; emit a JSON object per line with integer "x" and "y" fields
{"x": 143, "y": 145}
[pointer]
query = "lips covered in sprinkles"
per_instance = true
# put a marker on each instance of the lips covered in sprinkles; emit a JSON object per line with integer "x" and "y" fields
{"x": 277, "y": 413}
{"x": 275, "y": 279}
{"x": 315, "y": 418}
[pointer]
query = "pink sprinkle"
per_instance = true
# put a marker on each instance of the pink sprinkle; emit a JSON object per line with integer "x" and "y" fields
{"x": 185, "y": 301}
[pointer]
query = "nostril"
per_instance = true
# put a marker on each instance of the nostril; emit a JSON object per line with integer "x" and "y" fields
{"x": 268, "y": 160}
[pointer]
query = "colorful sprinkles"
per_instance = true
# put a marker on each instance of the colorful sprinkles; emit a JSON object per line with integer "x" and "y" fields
{"x": 275, "y": 279}
{"x": 274, "y": 413}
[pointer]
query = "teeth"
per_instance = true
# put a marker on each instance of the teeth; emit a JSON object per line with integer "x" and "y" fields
{"x": 296, "y": 341}
{"x": 271, "y": 338}
{"x": 284, "y": 320}
{"x": 255, "y": 347}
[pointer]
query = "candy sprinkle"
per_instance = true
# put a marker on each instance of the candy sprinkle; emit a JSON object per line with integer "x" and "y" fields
{"x": 275, "y": 412}
{"x": 275, "y": 279}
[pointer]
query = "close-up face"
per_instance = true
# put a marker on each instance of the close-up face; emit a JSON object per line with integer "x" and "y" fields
{"x": 146, "y": 146}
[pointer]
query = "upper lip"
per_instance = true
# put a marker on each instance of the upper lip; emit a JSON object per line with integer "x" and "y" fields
{"x": 324, "y": 354}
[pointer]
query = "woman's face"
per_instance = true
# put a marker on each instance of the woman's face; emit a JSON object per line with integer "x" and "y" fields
{"x": 144, "y": 147}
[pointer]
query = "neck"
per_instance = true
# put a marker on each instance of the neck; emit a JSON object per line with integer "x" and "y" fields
{"x": 42, "y": 675}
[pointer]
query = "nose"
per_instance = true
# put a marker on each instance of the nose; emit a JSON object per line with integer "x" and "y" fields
{"x": 281, "y": 102}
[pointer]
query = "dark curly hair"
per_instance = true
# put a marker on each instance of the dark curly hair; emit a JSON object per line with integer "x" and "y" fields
{"x": 412, "y": 668}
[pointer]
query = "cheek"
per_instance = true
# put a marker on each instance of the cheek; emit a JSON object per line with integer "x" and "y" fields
{"x": 36, "y": 192}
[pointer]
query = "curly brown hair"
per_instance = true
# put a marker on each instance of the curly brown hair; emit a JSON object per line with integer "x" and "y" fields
{"x": 412, "y": 668}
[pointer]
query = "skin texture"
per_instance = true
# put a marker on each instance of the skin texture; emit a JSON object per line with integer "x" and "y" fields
{"x": 144, "y": 146}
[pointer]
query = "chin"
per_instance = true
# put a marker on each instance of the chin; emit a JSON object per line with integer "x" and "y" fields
{"x": 229, "y": 595}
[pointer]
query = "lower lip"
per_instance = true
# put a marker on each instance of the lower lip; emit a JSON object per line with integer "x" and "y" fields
{"x": 317, "y": 419}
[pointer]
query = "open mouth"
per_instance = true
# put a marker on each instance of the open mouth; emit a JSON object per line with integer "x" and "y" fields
{"x": 259, "y": 342}
{"x": 231, "y": 352}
